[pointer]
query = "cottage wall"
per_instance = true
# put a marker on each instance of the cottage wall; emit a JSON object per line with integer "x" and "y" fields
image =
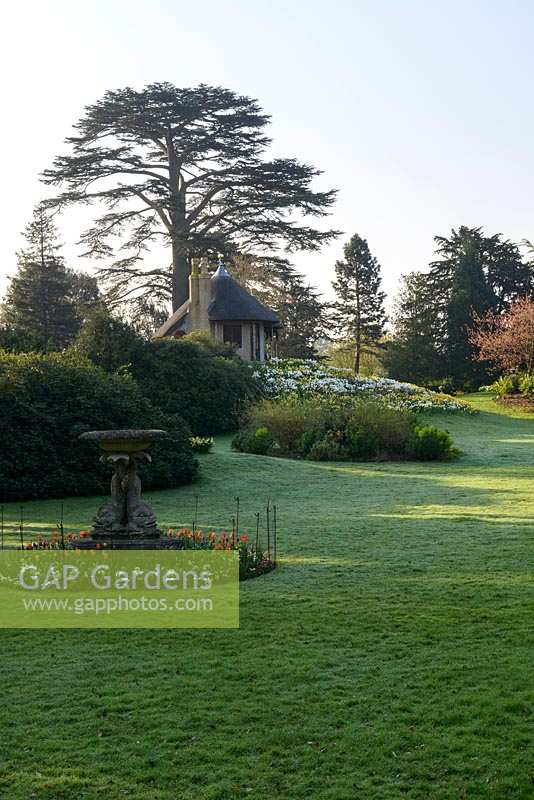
{"x": 252, "y": 339}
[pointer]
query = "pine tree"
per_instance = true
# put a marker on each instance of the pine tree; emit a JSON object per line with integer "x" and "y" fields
{"x": 358, "y": 312}
{"x": 265, "y": 277}
{"x": 45, "y": 302}
{"x": 508, "y": 276}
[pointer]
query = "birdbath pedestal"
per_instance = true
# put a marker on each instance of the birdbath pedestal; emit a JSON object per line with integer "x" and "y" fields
{"x": 125, "y": 521}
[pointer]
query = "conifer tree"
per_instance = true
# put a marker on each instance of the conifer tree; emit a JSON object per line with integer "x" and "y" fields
{"x": 474, "y": 275}
{"x": 45, "y": 302}
{"x": 186, "y": 168}
{"x": 303, "y": 318}
{"x": 412, "y": 354}
{"x": 358, "y": 312}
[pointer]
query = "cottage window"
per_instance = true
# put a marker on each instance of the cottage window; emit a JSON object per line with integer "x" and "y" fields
{"x": 232, "y": 333}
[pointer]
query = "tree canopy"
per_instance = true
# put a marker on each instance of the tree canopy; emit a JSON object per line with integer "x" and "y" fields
{"x": 474, "y": 275}
{"x": 187, "y": 168}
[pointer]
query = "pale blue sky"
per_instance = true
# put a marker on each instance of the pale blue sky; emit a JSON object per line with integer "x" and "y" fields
{"x": 420, "y": 113}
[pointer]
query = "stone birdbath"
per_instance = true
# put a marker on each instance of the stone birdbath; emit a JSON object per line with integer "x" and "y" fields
{"x": 125, "y": 521}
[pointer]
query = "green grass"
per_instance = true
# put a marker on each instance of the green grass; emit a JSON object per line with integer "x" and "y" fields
{"x": 389, "y": 656}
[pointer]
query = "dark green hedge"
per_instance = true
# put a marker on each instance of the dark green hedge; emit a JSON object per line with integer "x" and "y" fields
{"x": 47, "y": 401}
{"x": 207, "y": 390}
{"x": 196, "y": 377}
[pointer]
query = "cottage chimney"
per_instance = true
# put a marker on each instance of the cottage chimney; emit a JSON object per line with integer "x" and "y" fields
{"x": 193, "y": 297}
{"x": 199, "y": 296}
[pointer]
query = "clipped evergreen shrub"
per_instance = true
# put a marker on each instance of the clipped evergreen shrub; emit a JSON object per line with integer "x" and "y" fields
{"x": 431, "y": 444}
{"x": 258, "y": 441}
{"x": 47, "y": 401}
{"x": 207, "y": 390}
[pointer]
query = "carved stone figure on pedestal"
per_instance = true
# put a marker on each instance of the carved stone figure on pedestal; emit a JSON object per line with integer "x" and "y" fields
{"x": 126, "y": 516}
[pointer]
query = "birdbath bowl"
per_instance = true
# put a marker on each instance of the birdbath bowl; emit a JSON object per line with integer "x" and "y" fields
{"x": 124, "y": 441}
{"x": 126, "y": 517}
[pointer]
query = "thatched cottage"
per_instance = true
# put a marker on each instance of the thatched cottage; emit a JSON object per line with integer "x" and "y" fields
{"x": 220, "y": 306}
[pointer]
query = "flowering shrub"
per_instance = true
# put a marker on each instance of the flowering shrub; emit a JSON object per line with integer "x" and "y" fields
{"x": 201, "y": 444}
{"x": 283, "y": 377}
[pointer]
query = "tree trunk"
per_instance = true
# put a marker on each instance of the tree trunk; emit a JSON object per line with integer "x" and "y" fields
{"x": 180, "y": 277}
{"x": 358, "y": 337}
{"x": 357, "y": 355}
{"x": 180, "y": 261}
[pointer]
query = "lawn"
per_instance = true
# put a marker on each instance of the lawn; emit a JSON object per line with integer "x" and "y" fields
{"x": 389, "y": 656}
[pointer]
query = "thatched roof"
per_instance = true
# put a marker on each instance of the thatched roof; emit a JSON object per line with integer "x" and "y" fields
{"x": 230, "y": 302}
{"x": 175, "y": 322}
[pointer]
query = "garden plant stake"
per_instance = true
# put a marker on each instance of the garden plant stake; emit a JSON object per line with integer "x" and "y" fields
{"x": 21, "y": 527}
{"x": 269, "y": 528}
{"x": 275, "y": 535}
{"x": 196, "y": 514}
{"x": 237, "y": 516}
{"x": 61, "y": 528}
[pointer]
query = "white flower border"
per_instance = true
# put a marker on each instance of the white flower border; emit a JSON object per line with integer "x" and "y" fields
{"x": 280, "y": 377}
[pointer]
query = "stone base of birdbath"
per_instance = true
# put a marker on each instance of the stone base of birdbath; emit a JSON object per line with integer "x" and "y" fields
{"x": 126, "y": 521}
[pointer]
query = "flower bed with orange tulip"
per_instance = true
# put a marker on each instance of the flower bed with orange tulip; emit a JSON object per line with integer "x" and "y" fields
{"x": 254, "y": 560}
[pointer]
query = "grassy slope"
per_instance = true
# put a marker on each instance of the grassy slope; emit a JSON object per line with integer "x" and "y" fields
{"x": 388, "y": 657}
